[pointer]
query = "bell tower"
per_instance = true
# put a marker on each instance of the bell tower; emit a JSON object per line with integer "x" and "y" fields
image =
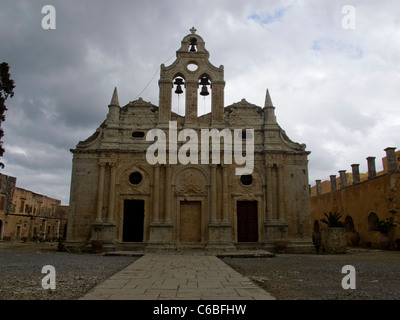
{"x": 191, "y": 69}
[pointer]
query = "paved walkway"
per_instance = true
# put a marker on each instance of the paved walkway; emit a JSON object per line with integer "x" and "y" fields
{"x": 177, "y": 277}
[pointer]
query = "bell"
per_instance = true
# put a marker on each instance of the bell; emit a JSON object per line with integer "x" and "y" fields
{"x": 193, "y": 43}
{"x": 178, "y": 82}
{"x": 204, "y": 91}
{"x": 178, "y": 89}
{"x": 204, "y": 81}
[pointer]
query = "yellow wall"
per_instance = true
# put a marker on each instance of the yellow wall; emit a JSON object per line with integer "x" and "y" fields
{"x": 380, "y": 195}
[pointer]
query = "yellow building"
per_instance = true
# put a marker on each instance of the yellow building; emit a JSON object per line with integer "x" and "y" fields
{"x": 25, "y": 215}
{"x": 362, "y": 199}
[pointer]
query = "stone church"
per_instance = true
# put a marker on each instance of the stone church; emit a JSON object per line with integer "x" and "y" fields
{"x": 121, "y": 196}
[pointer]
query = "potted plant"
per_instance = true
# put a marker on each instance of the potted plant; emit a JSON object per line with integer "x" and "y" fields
{"x": 355, "y": 238}
{"x": 384, "y": 228}
{"x": 333, "y": 238}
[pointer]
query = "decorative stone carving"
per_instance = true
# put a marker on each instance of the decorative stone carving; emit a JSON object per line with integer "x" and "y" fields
{"x": 190, "y": 181}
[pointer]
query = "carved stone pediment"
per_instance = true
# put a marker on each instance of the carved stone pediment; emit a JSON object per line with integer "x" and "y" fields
{"x": 191, "y": 181}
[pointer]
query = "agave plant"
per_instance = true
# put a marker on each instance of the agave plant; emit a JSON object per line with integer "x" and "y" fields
{"x": 332, "y": 220}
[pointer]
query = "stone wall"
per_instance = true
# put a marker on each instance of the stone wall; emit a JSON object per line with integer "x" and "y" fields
{"x": 361, "y": 202}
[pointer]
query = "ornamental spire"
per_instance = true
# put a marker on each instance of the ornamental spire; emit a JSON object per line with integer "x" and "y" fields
{"x": 114, "y": 100}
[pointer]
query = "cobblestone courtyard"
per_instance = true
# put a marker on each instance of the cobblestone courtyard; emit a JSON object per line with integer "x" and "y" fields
{"x": 308, "y": 277}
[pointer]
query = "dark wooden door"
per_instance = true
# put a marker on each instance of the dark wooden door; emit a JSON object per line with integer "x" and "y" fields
{"x": 247, "y": 221}
{"x": 133, "y": 221}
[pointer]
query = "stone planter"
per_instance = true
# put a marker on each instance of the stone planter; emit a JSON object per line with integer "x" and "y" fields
{"x": 333, "y": 240}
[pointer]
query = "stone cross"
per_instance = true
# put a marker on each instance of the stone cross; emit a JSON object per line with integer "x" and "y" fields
{"x": 193, "y": 30}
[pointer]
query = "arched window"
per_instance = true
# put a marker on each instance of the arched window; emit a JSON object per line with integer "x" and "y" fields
{"x": 178, "y": 97}
{"x": 204, "y": 90}
{"x": 373, "y": 222}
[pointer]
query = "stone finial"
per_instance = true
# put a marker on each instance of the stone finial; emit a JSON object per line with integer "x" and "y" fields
{"x": 193, "y": 30}
{"x": 333, "y": 182}
{"x": 391, "y": 159}
{"x": 371, "y": 167}
{"x": 269, "y": 110}
{"x": 356, "y": 173}
{"x": 114, "y": 99}
{"x": 343, "y": 179}
{"x": 268, "y": 101}
{"x": 318, "y": 187}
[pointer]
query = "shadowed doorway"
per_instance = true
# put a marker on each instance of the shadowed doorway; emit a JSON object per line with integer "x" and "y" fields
{"x": 247, "y": 221}
{"x": 133, "y": 221}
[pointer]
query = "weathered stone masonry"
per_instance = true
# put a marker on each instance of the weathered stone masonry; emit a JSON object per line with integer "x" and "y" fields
{"x": 118, "y": 197}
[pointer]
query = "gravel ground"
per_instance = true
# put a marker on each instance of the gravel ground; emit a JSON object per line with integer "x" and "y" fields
{"x": 21, "y": 266}
{"x": 319, "y": 277}
{"x": 287, "y": 277}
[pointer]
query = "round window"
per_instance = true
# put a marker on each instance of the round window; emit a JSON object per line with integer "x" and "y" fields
{"x": 135, "y": 177}
{"x": 192, "y": 67}
{"x": 246, "y": 179}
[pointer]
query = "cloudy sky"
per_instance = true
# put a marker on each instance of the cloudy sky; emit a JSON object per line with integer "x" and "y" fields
{"x": 335, "y": 89}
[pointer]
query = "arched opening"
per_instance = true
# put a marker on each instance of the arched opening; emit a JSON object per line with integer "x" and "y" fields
{"x": 349, "y": 224}
{"x": 192, "y": 45}
{"x": 373, "y": 222}
{"x": 1, "y": 229}
{"x": 178, "y": 95}
{"x": 205, "y": 92}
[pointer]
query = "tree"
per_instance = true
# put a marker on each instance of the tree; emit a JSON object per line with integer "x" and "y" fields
{"x": 6, "y": 90}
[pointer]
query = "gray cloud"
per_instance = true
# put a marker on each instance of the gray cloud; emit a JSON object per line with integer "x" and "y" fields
{"x": 335, "y": 90}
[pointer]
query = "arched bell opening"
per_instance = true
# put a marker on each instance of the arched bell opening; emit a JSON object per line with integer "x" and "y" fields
{"x": 178, "y": 95}
{"x": 204, "y": 90}
{"x": 192, "y": 45}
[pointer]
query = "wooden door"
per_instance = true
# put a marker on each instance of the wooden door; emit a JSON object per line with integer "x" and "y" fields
{"x": 247, "y": 221}
{"x": 190, "y": 221}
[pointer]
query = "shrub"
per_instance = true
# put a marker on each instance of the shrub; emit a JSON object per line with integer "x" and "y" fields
{"x": 332, "y": 220}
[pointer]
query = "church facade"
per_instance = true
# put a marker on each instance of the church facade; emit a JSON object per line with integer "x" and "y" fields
{"x": 150, "y": 178}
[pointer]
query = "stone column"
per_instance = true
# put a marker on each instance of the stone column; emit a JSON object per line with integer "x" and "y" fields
{"x": 213, "y": 196}
{"x": 31, "y": 225}
{"x": 343, "y": 179}
{"x": 156, "y": 192}
{"x": 167, "y": 193}
{"x": 100, "y": 192}
{"x": 225, "y": 199}
{"x": 280, "y": 193}
{"x": 191, "y": 102}
{"x": 269, "y": 192}
{"x": 371, "y": 167}
{"x": 391, "y": 160}
{"x": 58, "y": 228}
{"x": 111, "y": 196}
{"x": 165, "y": 101}
{"x": 217, "y": 102}
{"x": 356, "y": 173}
{"x": 333, "y": 182}
{"x": 318, "y": 187}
